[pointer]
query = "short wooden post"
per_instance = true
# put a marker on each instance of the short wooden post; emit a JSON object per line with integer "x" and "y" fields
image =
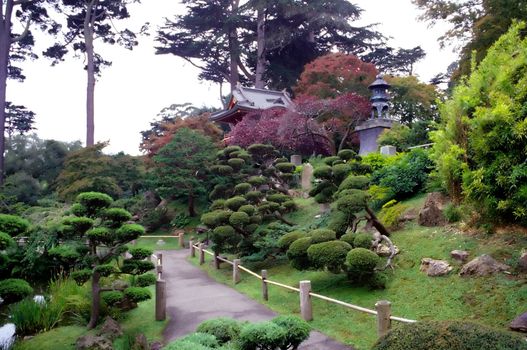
{"x": 181, "y": 240}
{"x": 192, "y": 249}
{"x": 201, "y": 254}
{"x": 384, "y": 322}
{"x": 160, "y": 258}
{"x": 161, "y": 301}
{"x": 236, "y": 277}
{"x": 265, "y": 286}
{"x": 305, "y": 301}
{"x": 216, "y": 261}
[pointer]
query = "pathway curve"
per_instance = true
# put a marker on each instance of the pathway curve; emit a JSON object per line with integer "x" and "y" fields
{"x": 193, "y": 297}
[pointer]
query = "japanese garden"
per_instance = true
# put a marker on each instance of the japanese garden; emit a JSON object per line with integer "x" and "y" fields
{"x": 327, "y": 197}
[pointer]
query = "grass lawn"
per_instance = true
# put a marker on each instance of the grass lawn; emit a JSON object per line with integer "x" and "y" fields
{"x": 139, "y": 320}
{"x": 493, "y": 301}
{"x": 151, "y": 242}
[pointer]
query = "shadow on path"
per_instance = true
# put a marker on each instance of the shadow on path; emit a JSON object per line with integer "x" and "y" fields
{"x": 193, "y": 297}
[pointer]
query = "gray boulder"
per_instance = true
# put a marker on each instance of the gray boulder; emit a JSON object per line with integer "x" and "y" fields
{"x": 434, "y": 268}
{"x": 483, "y": 265}
{"x": 111, "y": 329}
{"x": 432, "y": 212}
{"x": 93, "y": 342}
{"x": 459, "y": 255}
{"x": 520, "y": 323}
{"x": 522, "y": 263}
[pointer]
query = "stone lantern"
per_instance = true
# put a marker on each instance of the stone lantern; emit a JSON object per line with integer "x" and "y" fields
{"x": 379, "y": 121}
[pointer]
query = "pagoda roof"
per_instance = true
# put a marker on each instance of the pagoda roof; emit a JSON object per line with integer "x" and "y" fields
{"x": 245, "y": 100}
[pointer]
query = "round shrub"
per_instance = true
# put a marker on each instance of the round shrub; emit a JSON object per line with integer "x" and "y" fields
{"x": 146, "y": 280}
{"x": 117, "y": 215}
{"x": 129, "y": 232}
{"x": 242, "y": 188}
{"x": 6, "y": 241}
{"x": 65, "y": 254}
{"x": 94, "y": 201}
{"x": 257, "y": 180}
{"x": 285, "y": 167}
{"x": 256, "y": 219}
{"x": 354, "y": 201}
{"x": 78, "y": 209}
{"x": 289, "y": 204}
{"x": 239, "y": 218}
{"x": 13, "y": 225}
{"x": 137, "y": 294}
{"x": 297, "y": 253}
{"x": 140, "y": 253}
{"x": 278, "y": 198}
{"x": 253, "y": 196}
{"x": 285, "y": 241}
{"x": 322, "y": 235}
{"x": 348, "y": 238}
{"x": 297, "y": 330}
{"x": 236, "y": 163}
{"x": 248, "y": 209}
{"x": 338, "y": 222}
{"x": 112, "y": 297}
{"x": 362, "y": 240}
{"x": 105, "y": 270}
{"x": 184, "y": 345}
{"x": 217, "y": 204}
{"x": 136, "y": 267}
{"x": 204, "y": 339}
{"x": 340, "y": 171}
{"x": 81, "y": 276}
{"x": 355, "y": 182}
{"x": 281, "y": 160}
{"x": 346, "y": 154}
{"x": 100, "y": 235}
{"x": 231, "y": 149}
{"x": 225, "y": 235}
{"x": 361, "y": 263}
{"x": 323, "y": 172}
{"x": 223, "y": 170}
{"x": 329, "y": 255}
{"x": 216, "y": 218}
{"x": 224, "y": 329}
{"x": 14, "y": 289}
{"x": 448, "y": 335}
{"x": 79, "y": 225}
{"x": 262, "y": 335}
{"x": 330, "y": 160}
{"x": 235, "y": 203}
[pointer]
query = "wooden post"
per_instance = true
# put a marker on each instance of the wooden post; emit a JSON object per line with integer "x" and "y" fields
{"x": 161, "y": 301}
{"x": 236, "y": 277}
{"x": 384, "y": 322}
{"x": 192, "y": 249}
{"x": 305, "y": 301}
{"x": 201, "y": 254}
{"x": 160, "y": 258}
{"x": 216, "y": 261}
{"x": 181, "y": 240}
{"x": 265, "y": 286}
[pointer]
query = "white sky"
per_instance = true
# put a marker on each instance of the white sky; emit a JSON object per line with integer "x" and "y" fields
{"x": 139, "y": 84}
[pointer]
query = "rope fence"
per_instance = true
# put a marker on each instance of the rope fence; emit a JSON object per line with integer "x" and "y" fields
{"x": 382, "y": 308}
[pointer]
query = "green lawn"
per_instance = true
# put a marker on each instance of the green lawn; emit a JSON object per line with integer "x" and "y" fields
{"x": 493, "y": 301}
{"x": 151, "y": 242}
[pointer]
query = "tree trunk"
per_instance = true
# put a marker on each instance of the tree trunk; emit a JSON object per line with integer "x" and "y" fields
{"x": 5, "y": 45}
{"x": 345, "y": 138}
{"x": 376, "y": 223}
{"x": 191, "y": 210}
{"x": 260, "y": 60}
{"x": 90, "y": 70}
{"x": 95, "y": 300}
{"x": 234, "y": 76}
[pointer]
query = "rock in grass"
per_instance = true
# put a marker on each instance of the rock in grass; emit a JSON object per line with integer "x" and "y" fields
{"x": 459, "y": 255}
{"x": 93, "y": 342}
{"x": 111, "y": 329}
{"x": 483, "y": 265}
{"x": 520, "y": 323}
{"x": 434, "y": 268}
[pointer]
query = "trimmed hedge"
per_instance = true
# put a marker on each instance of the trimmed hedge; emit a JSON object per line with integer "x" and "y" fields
{"x": 322, "y": 235}
{"x": 297, "y": 253}
{"x": 112, "y": 297}
{"x": 286, "y": 240}
{"x": 297, "y": 330}
{"x": 361, "y": 263}
{"x": 137, "y": 294}
{"x": 235, "y": 203}
{"x": 140, "y": 253}
{"x": 81, "y": 276}
{"x": 146, "y": 280}
{"x": 239, "y": 218}
{"x": 130, "y": 232}
{"x": 362, "y": 240}
{"x": 355, "y": 182}
{"x": 224, "y": 329}
{"x": 6, "y": 241}
{"x": 14, "y": 289}
{"x": 13, "y": 225}
{"x": 329, "y": 255}
{"x": 262, "y": 335}
{"x": 448, "y": 335}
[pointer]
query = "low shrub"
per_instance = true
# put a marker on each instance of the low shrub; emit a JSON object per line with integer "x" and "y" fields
{"x": 452, "y": 213}
{"x": 390, "y": 215}
{"x": 14, "y": 289}
{"x": 346, "y": 154}
{"x": 257, "y": 180}
{"x": 140, "y": 253}
{"x": 362, "y": 240}
{"x": 297, "y": 330}
{"x": 112, "y": 297}
{"x": 323, "y": 172}
{"x": 262, "y": 335}
{"x": 13, "y": 225}
{"x": 285, "y": 167}
{"x": 94, "y": 201}
{"x": 297, "y": 253}
{"x": 253, "y": 196}
{"x": 286, "y": 240}
{"x": 338, "y": 222}
{"x": 105, "y": 270}
{"x": 218, "y": 204}
{"x": 146, "y": 280}
{"x": 360, "y": 264}
{"x": 216, "y": 218}
{"x": 322, "y": 235}
{"x": 331, "y": 160}
{"x": 185, "y": 345}
{"x": 354, "y": 182}
{"x": 6, "y": 241}
{"x": 223, "y": 329}
{"x": 448, "y": 335}
{"x": 204, "y": 339}
{"x": 117, "y": 216}
{"x": 278, "y": 198}
{"x": 137, "y": 294}
{"x": 129, "y": 232}
{"x": 235, "y": 203}
{"x": 181, "y": 220}
{"x": 329, "y": 255}
{"x": 136, "y": 267}
{"x": 239, "y": 218}
{"x": 242, "y": 188}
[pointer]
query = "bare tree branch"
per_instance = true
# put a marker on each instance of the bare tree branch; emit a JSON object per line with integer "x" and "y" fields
{"x": 24, "y": 33}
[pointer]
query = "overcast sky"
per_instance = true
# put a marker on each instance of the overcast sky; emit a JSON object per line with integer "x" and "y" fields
{"x": 139, "y": 83}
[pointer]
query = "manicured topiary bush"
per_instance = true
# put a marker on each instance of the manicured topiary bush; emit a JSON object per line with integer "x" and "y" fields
{"x": 235, "y": 203}
{"x": 94, "y": 202}
{"x": 116, "y": 216}
{"x": 112, "y": 297}
{"x": 13, "y": 225}
{"x": 445, "y": 335}
{"x": 203, "y": 339}
{"x": 14, "y": 289}
{"x": 217, "y": 204}
{"x": 361, "y": 263}
{"x": 129, "y": 232}
{"x": 262, "y": 335}
{"x": 140, "y": 253}
{"x": 242, "y": 188}
{"x": 329, "y": 255}
{"x": 297, "y": 253}
{"x": 6, "y": 241}
{"x": 297, "y": 330}
{"x": 248, "y": 209}
{"x": 137, "y": 294}
{"x": 322, "y": 235}
{"x": 285, "y": 241}
{"x": 81, "y": 276}
{"x": 136, "y": 267}
{"x": 347, "y": 154}
{"x": 355, "y": 182}
{"x": 348, "y": 238}
{"x": 105, "y": 270}
{"x": 362, "y": 240}
{"x": 239, "y": 218}
{"x": 223, "y": 329}
{"x": 146, "y": 280}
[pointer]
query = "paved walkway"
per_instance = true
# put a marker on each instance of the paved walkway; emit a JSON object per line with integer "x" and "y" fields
{"x": 193, "y": 297}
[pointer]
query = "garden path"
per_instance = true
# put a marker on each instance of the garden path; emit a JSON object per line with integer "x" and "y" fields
{"x": 193, "y": 297}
